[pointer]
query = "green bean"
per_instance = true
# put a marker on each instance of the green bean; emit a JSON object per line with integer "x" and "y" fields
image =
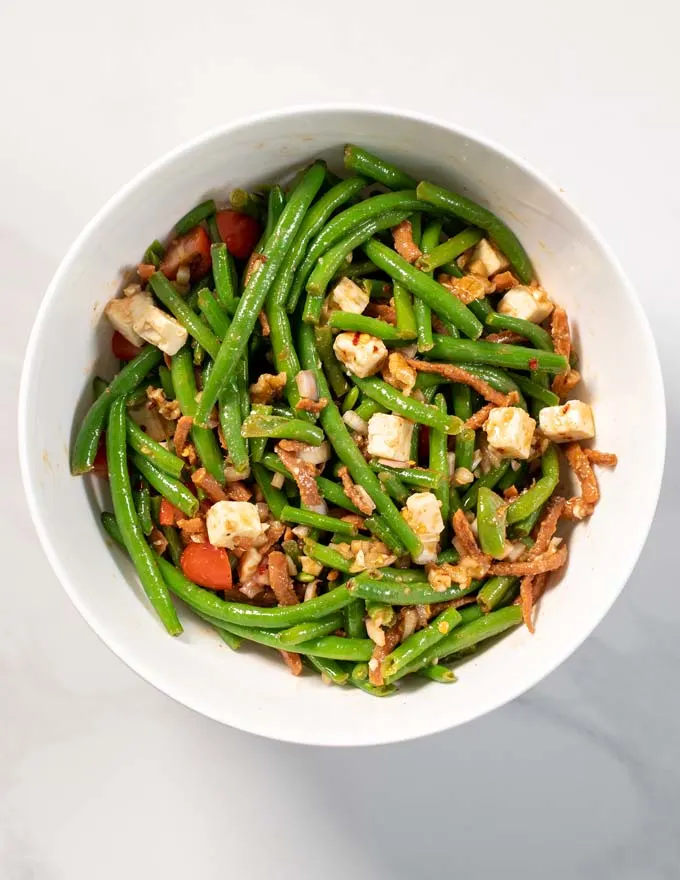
{"x": 166, "y": 382}
{"x": 448, "y": 307}
{"x": 193, "y": 217}
{"x": 100, "y": 385}
{"x": 354, "y": 619}
{"x": 498, "y": 354}
{"x": 533, "y": 332}
{"x": 336, "y": 256}
{"x": 350, "y": 399}
{"x": 420, "y": 641}
{"x": 513, "y": 475}
{"x": 224, "y": 273}
{"x": 258, "y": 444}
{"x": 327, "y": 556}
{"x": 540, "y": 492}
{"x": 276, "y": 202}
{"x": 495, "y": 592}
{"x": 491, "y": 522}
{"x": 393, "y": 486}
{"x": 408, "y": 407}
{"x": 229, "y": 413}
{"x": 376, "y": 289}
{"x": 449, "y": 249}
{"x": 324, "y": 345}
{"x": 381, "y": 614}
{"x": 535, "y": 389}
{"x": 207, "y": 447}
{"x": 170, "y": 488}
{"x": 420, "y": 477}
{"x": 349, "y": 322}
{"x": 331, "y": 671}
{"x": 154, "y": 254}
{"x": 476, "y": 215}
{"x": 439, "y": 464}
{"x": 401, "y": 575}
{"x": 312, "y": 629}
{"x": 247, "y": 203}
{"x": 423, "y": 312}
{"x": 288, "y": 286}
{"x": 395, "y": 593}
{"x": 488, "y": 481}
{"x": 465, "y": 441}
{"x": 213, "y": 313}
{"x": 234, "y": 642}
{"x": 450, "y": 555}
{"x": 438, "y": 673}
{"x": 143, "y": 507}
{"x": 282, "y": 428}
{"x": 359, "y": 678}
{"x": 406, "y": 318}
{"x": 497, "y": 378}
{"x": 348, "y": 452}
{"x": 255, "y": 293}
{"x": 196, "y": 327}
{"x": 161, "y": 457}
{"x": 368, "y": 408}
{"x": 524, "y": 527}
{"x": 213, "y": 229}
{"x": 198, "y": 353}
{"x": 479, "y": 307}
{"x": 175, "y": 546}
{"x": 128, "y": 523}
{"x": 330, "y": 647}
{"x": 317, "y": 521}
{"x": 378, "y": 527}
{"x": 362, "y": 162}
{"x": 329, "y": 490}
{"x": 357, "y": 269}
{"x": 87, "y": 439}
{"x": 274, "y": 498}
{"x": 285, "y": 356}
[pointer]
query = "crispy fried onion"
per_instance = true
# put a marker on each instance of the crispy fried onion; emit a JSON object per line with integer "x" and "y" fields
{"x": 458, "y": 374}
{"x": 279, "y": 578}
{"x": 531, "y": 589}
{"x": 505, "y": 281}
{"x": 255, "y": 261}
{"x": 382, "y": 311}
{"x": 561, "y": 335}
{"x": 547, "y": 527}
{"x": 267, "y": 388}
{"x": 304, "y": 474}
{"x": 583, "y": 506}
{"x": 309, "y": 405}
{"x": 473, "y": 563}
{"x": 551, "y": 560}
{"x": 392, "y": 639}
{"x": 292, "y": 661}
{"x": 264, "y": 323}
{"x": 181, "y": 434}
{"x": 478, "y": 419}
{"x": 193, "y": 530}
{"x": 209, "y": 484}
{"x": 169, "y": 409}
{"x": 356, "y": 494}
{"x": 468, "y": 288}
{"x": 404, "y": 244}
{"x": 605, "y": 459}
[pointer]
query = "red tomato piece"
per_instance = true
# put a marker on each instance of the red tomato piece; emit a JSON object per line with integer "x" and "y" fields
{"x": 100, "y": 468}
{"x": 122, "y": 348}
{"x": 193, "y": 250}
{"x": 169, "y": 514}
{"x": 239, "y": 232}
{"x": 145, "y": 270}
{"x": 207, "y": 566}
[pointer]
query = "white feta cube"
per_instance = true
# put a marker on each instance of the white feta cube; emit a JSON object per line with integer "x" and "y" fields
{"x": 389, "y": 437}
{"x": 349, "y": 297}
{"x": 571, "y": 421}
{"x": 361, "y": 353}
{"x": 510, "y": 430}
{"x": 119, "y": 313}
{"x": 530, "y": 303}
{"x": 490, "y": 257}
{"x": 156, "y": 326}
{"x": 423, "y": 514}
{"x": 228, "y": 520}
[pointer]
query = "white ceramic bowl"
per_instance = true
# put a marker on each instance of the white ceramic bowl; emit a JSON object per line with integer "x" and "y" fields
{"x": 251, "y": 689}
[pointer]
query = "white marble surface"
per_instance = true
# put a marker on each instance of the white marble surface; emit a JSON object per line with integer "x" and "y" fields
{"x": 103, "y": 777}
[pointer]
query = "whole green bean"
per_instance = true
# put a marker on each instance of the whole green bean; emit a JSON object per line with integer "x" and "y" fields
{"x": 512, "y": 476}
{"x": 195, "y": 216}
{"x": 395, "y": 593}
{"x": 331, "y": 647}
{"x": 449, "y": 249}
{"x": 245, "y": 202}
{"x": 406, "y": 317}
{"x": 166, "y": 382}
{"x": 87, "y": 439}
{"x": 234, "y": 642}
{"x": 450, "y": 555}
{"x": 154, "y": 254}
{"x": 224, "y": 274}
{"x": 362, "y": 162}
{"x": 408, "y": 407}
{"x": 423, "y": 313}
{"x": 379, "y": 528}
{"x": 167, "y": 486}
{"x": 539, "y": 493}
{"x": 439, "y": 464}
{"x": 229, "y": 413}
{"x": 348, "y": 452}
{"x": 349, "y": 322}
{"x": 533, "y": 332}
{"x": 495, "y": 592}
{"x": 285, "y": 356}
{"x": 213, "y": 230}
{"x": 419, "y": 642}
{"x": 354, "y": 619}
{"x": 255, "y": 293}
{"x": 359, "y": 678}
{"x": 312, "y": 629}
{"x": 401, "y": 575}
{"x": 327, "y": 556}
{"x": 368, "y": 408}
{"x": 143, "y": 507}
{"x": 497, "y": 378}
{"x": 393, "y": 486}
{"x": 196, "y": 327}
{"x": 535, "y": 389}
{"x": 448, "y": 307}
{"x": 476, "y": 215}
{"x": 491, "y": 522}
{"x": 357, "y": 269}
{"x": 324, "y": 345}
{"x": 420, "y": 477}
{"x": 206, "y": 444}
{"x": 128, "y": 522}
{"x": 331, "y": 671}
{"x": 282, "y": 428}
{"x": 524, "y": 527}
{"x": 438, "y": 673}
{"x": 161, "y": 457}
{"x": 488, "y": 480}
{"x": 317, "y": 521}
{"x": 213, "y": 313}
{"x": 497, "y": 354}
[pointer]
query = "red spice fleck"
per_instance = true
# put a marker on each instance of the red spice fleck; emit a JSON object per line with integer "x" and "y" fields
{"x": 356, "y": 338}
{"x": 533, "y": 364}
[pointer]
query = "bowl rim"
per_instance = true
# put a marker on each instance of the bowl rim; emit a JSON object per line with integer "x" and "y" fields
{"x": 431, "y": 723}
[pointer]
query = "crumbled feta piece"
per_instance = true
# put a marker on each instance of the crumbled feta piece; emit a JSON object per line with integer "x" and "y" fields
{"x": 361, "y": 353}
{"x": 530, "y": 303}
{"x": 120, "y": 316}
{"x": 389, "y": 437}
{"x": 423, "y": 514}
{"x": 156, "y": 326}
{"x": 228, "y": 520}
{"x": 571, "y": 421}
{"x": 349, "y": 297}
{"x": 463, "y": 476}
{"x": 491, "y": 259}
{"x": 510, "y": 430}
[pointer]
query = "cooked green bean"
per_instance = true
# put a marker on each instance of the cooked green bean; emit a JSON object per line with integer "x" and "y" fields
{"x": 282, "y": 428}
{"x": 327, "y": 556}
{"x": 368, "y": 408}
{"x": 488, "y": 481}
{"x": 405, "y": 316}
{"x": 349, "y": 322}
{"x": 143, "y": 506}
{"x": 161, "y": 457}
{"x": 312, "y": 629}
{"x": 524, "y": 527}
{"x": 439, "y": 464}
{"x": 166, "y": 382}
{"x": 439, "y": 673}
{"x": 195, "y": 216}
{"x": 401, "y": 575}
{"x": 408, "y": 407}
{"x": 359, "y": 678}
{"x": 497, "y": 354}
{"x": 495, "y": 592}
{"x": 128, "y": 523}
{"x": 491, "y": 522}
{"x": 423, "y": 313}
{"x": 540, "y": 492}
{"x": 330, "y": 647}
{"x": 395, "y": 593}
{"x": 378, "y": 527}
{"x": 213, "y": 313}
{"x": 170, "y": 488}
{"x": 229, "y": 413}
{"x": 533, "y": 332}
{"x": 476, "y": 215}
{"x": 154, "y": 254}
{"x": 195, "y": 326}
{"x": 354, "y": 619}
{"x": 245, "y": 202}
{"x": 224, "y": 273}
{"x": 420, "y": 477}
{"x": 317, "y": 521}
{"x": 331, "y": 671}
{"x": 362, "y": 162}
{"x": 419, "y": 642}
{"x": 234, "y": 642}
{"x": 535, "y": 389}
{"x": 393, "y": 486}
{"x": 450, "y": 249}
{"x": 324, "y": 345}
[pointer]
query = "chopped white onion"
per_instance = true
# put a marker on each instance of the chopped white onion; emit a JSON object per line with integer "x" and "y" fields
{"x": 310, "y": 591}
{"x": 409, "y": 351}
{"x": 301, "y": 531}
{"x": 183, "y": 275}
{"x": 452, "y": 462}
{"x": 355, "y": 422}
{"x": 315, "y": 454}
{"x": 393, "y": 463}
{"x": 319, "y": 508}
{"x": 277, "y": 481}
{"x": 250, "y": 589}
{"x": 306, "y": 384}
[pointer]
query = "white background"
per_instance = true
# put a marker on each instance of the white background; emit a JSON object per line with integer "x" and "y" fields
{"x": 101, "y": 776}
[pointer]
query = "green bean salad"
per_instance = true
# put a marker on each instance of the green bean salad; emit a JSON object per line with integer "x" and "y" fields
{"x": 336, "y": 423}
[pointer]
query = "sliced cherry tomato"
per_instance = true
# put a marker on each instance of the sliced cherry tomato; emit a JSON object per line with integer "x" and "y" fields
{"x": 100, "y": 468}
{"x": 169, "y": 514}
{"x": 193, "y": 250}
{"x": 239, "y": 232}
{"x": 423, "y": 443}
{"x": 145, "y": 270}
{"x": 122, "y": 348}
{"x": 207, "y": 566}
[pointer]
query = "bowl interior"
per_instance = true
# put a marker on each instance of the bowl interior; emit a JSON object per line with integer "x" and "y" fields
{"x": 251, "y": 689}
